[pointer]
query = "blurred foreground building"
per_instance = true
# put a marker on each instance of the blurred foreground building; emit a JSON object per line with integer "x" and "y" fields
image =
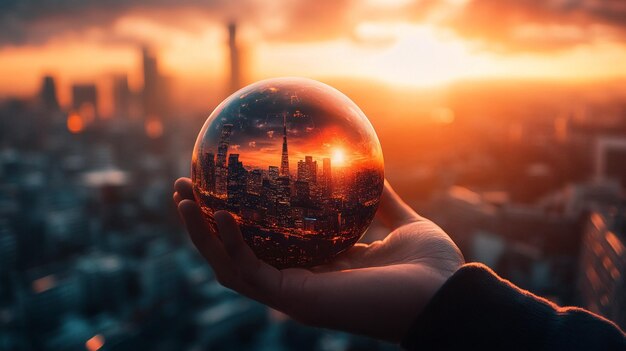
{"x": 602, "y": 269}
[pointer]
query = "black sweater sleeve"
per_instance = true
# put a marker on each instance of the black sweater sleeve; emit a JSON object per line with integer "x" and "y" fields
{"x": 475, "y": 309}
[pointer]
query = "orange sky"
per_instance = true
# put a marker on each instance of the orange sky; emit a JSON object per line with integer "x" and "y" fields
{"x": 401, "y": 42}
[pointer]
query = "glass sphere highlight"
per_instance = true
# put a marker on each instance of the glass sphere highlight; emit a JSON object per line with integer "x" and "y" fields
{"x": 296, "y": 163}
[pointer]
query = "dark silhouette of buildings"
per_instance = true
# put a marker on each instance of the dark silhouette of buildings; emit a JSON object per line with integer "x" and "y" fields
{"x": 85, "y": 100}
{"x": 151, "y": 84}
{"x": 122, "y": 96}
{"x": 48, "y": 94}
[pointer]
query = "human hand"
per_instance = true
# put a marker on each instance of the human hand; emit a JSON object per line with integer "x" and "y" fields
{"x": 375, "y": 290}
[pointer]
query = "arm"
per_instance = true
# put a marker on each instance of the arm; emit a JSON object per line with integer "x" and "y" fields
{"x": 476, "y": 309}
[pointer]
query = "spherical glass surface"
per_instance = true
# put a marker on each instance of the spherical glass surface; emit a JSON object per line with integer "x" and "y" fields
{"x": 298, "y": 165}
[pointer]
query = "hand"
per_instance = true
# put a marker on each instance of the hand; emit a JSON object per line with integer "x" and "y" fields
{"x": 375, "y": 290}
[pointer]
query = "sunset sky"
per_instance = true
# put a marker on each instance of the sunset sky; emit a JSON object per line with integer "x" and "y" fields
{"x": 419, "y": 43}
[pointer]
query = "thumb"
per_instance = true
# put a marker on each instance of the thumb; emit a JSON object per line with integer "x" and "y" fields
{"x": 393, "y": 212}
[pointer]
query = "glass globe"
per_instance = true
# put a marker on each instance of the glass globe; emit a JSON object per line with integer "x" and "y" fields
{"x": 296, "y": 163}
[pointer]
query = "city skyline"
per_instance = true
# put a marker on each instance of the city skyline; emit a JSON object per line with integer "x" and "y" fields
{"x": 296, "y": 206}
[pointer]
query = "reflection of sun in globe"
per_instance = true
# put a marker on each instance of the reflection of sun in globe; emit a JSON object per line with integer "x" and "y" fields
{"x": 297, "y": 164}
{"x": 339, "y": 157}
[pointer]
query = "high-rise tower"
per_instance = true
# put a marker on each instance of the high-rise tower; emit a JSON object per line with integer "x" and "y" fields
{"x": 234, "y": 57}
{"x": 48, "y": 94}
{"x": 284, "y": 160}
{"x": 221, "y": 172}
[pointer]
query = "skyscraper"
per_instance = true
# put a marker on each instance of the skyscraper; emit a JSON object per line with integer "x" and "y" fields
{"x": 328, "y": 178}
{"x": 236, "y": 187}
{"x": 221, "y": 171}
{"x": 234, "y": 57}
{"x": 121, "y": 96}
{"x": 151, "y": 84}
{"x": 284, "y": 160}
{"x": 307, "y": 170}
{"x": 208, "y": 164}
{"x": 85, "y": 100}
{"x": 48, "y": 94}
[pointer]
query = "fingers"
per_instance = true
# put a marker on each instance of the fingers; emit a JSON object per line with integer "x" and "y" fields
{"x": 184, "y": 188}
{"x": 263, "y": 279}
{"x": 393, "y": 212}
{"x": 177, "y": 198}
{"x": 207, "y": 242}
{"x": 234, "y": 244}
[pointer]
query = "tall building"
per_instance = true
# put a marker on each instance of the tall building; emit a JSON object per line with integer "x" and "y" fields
{"x": 121, "y": 96}
{"x": 602, "y": 275}
{"x": 307, "y": 170}
{"x": 208, "y": 171}
{"x": 284, "y": 160}
{"x": 255, "y": 182}
{"x": 48, "y": 94}
{"x": 273, "y": 172}
{"x": 234, "y": 57}
{"x": 153, "y": 97}
{"x": 327, "y": 185}
{"x": 221, "y": 171}
{"x": 85, "y": 100}
{"x": 236, "y": 187}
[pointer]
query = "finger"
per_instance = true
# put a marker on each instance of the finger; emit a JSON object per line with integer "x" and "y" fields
{"x": 177, "y": 198}
{"x": 184, "y": 187}
{"x": 234, "y": 244}
{"x": 207, "y": 242}
{"x": 260, "y": 276}
{"x": 393, "y": 212}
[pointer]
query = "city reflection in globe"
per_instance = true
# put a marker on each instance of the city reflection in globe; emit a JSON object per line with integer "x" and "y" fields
{"x": 298, "y": 165}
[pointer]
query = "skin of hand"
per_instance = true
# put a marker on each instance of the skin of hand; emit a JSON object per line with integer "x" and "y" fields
{"x": 375, "y": 289}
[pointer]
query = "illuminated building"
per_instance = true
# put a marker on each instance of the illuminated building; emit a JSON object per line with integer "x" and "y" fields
{"x": 208, "y": 165}
{"x": 255, "y": 182}
{"x": 303, "y": 193}
{"x": 220, "y": 166}
{"x": 602, "y": 276}
{"x": 284, "y": 160}
{"x": 307, "y": 170}
{"x": 236, "y": 187}
{"x": 273, "y": 172}
{"x": 327, "y": 184}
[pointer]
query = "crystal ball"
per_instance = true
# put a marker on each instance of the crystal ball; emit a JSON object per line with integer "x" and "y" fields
{"x": 296, "y": 163}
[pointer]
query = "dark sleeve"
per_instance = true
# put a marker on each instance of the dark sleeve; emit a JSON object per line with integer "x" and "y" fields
{"x": 475, "y": 309}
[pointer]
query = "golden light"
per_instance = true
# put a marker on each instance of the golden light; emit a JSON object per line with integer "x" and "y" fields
{"x": 442, "y": 115}
{"x": 75, "y": 123}
{"x": 154, "y": 128}
{"x": 338, "y": 158}
{"x": 95, "y": 343}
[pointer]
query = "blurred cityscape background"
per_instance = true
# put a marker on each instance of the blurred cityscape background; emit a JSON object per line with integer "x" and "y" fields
{"x": 504, "y": 122}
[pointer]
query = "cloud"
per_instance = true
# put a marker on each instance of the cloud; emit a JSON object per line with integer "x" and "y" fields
{"x": 520, "y": 25}
{"x": 252, "y": 144}
{"x": 539, "y": 25}
{"x": 35, "y": 22}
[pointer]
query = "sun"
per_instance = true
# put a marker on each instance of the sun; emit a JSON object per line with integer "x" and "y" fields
{"x": 339, "y": 157}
